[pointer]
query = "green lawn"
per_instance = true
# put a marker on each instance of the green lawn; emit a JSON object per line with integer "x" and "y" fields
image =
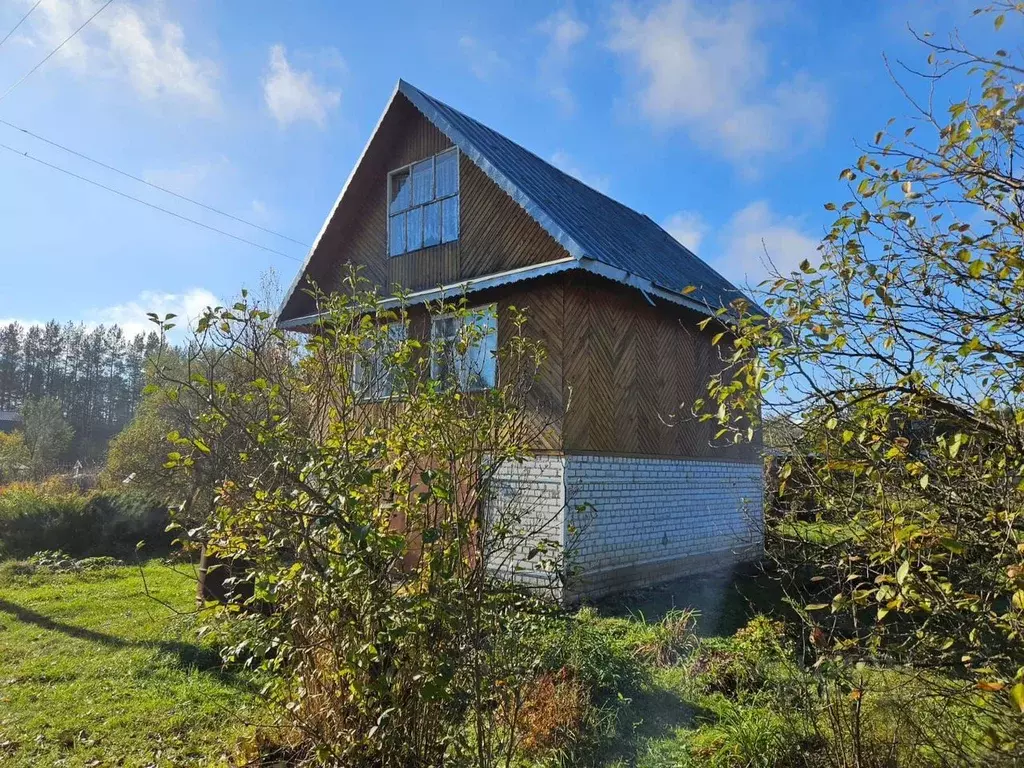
{"x": 95, "y": 672}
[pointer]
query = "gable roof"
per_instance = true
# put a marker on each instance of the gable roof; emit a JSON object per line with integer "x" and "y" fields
{"x": 600, "y": 234}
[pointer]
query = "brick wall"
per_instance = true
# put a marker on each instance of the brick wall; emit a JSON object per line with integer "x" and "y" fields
{"x": 528, "y": 500}
{"x": 649, "y": 519}
{"x": 627, "y": 522}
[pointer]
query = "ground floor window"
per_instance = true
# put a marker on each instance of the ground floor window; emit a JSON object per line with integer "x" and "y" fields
{"x": 463, "y": 349}
{"x": 373, "y": 375}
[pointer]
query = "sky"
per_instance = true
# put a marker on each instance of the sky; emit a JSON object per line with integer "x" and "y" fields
{"x": 726, "y": 122}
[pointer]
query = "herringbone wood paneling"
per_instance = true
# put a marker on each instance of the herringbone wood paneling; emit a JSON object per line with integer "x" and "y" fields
{"x": 635, "y": 370}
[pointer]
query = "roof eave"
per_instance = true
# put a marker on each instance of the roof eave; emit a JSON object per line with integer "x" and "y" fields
{"x": 334, "y": 208}
{"x": 473, "y": 285}
{"x": 450, "y": 290}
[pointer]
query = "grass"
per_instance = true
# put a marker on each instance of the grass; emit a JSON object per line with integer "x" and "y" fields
{"x": 94, "y": 672}
{"x": 668, "y": 719}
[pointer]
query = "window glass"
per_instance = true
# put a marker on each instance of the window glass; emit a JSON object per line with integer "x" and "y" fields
{"x": 450, "y": 219}
{"x": 373, "y": 374}
{"x": 432, "y": 224}
{"x": 423, "y": 182}
{"x": 413, "y": 229}
{"x": 423, "y": 204}
{"x": 474, "y": 367}
{"x": 447, "y": 173}
{"x": 396, "y": 234}
{"x": 400, "y": 194}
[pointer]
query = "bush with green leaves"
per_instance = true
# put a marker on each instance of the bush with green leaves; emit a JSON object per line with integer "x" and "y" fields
{"x": 900, "y": 352}
{"x": 351, "y": 481}
{"x": 44, "y": 516}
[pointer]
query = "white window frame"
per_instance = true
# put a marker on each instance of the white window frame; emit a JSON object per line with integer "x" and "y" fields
{"x": 438, "y": 200}
{"x": 489, "y": 373}
{"x": 383, "y": 386}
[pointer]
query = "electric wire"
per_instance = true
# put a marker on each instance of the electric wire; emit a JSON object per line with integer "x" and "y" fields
{"x": 20, "y": 22}
{"x": 147, "y": 203}
{"x": 140, "y": 180}
{"x": 63, "y": 42}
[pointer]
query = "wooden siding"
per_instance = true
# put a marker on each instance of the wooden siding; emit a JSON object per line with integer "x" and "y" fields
{"x": 631, "y": 372}
{"x": 495, "y": 233}
{"x": 541, "y": 301}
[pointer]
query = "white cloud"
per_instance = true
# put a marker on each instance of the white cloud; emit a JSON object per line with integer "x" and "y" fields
{"x": 706, "y": 69}
{"x": 484, "y": 62}
{"x": 564, "y": 32}
{"x": 292, "y": 95}
{"x": 131, "y": 315}
{"x": 190, "y": 178}
{"x": 127, "y": 42}
{"x": 687, "y": 227}
{"x": 758, "y": 244}
{"x": 562, "y": 160}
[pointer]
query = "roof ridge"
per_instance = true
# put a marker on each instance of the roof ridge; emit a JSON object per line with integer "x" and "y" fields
{"x": 523, "y": 147}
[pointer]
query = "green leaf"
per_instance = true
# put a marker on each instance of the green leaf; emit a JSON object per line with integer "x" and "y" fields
{"x": 953, "y": 546}
{"x": 816, "y": 607}
{"x": 1017, "y": 696}
{"x": 1000, "y": 19}
{"x": 902, "y": 572}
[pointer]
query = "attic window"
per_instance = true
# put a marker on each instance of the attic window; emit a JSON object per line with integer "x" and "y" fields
{"x": 423, "y": 203}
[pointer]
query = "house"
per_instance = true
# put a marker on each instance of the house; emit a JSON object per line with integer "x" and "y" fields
{"x": 439, "y": 205}
{"x": 9, "y": 421}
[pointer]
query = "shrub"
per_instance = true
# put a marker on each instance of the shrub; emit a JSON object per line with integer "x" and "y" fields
{"x": 53, "y": 516}
{"x": 744, "y": 663}
{"x": 589, "y": 671}
{"x": 554, "y": 714}
{"x": 599, "y": 657}
{"x": 664, "y": 643}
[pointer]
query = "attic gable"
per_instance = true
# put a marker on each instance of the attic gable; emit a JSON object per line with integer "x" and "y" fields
{"x": 592, "y": 231}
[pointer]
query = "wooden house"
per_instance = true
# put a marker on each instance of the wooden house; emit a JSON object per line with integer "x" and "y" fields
{"x": 440, "y": 205}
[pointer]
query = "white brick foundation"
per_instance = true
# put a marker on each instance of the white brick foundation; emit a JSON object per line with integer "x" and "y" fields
{"x": 629, "y": 522}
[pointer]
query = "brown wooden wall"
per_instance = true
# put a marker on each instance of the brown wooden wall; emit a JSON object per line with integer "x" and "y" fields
{"x": 620, "y": 375}
{"x": 495, "y": 233}
{"x": 631, "y": 372}
{"x": 541, "y": 300}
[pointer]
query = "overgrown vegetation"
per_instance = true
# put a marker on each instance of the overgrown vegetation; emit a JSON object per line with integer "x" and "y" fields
{"x": 390, "y": 624}
{"x": 900, "y": 352}
{"x": 54, "y": 515}
{"x": 383, "y": 604}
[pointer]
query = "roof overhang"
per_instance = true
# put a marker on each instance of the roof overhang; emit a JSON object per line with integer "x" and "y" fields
{"x": 477, "y": 284}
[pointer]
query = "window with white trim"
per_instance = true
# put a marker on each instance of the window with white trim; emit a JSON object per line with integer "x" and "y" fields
{"x": 423, "y": 204}
{"x": 463, "y": 349}
{"x": 373, "y": 373}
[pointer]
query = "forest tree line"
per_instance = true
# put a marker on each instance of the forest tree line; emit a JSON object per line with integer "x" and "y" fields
{"x": 96, "y": 374}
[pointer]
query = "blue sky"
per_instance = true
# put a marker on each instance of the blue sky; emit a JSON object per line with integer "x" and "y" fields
{"x": 728, "y": 122}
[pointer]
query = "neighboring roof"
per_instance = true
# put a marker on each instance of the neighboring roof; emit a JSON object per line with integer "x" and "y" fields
{"x": 601, "y": 235}
{"x": 10, "y": 416}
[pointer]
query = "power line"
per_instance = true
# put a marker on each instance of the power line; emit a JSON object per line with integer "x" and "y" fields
{"x": 140, "y": 180}
{"x": 147, "y": 204}
{"x": 20, "y": 22}
{"x": 51, "y": 53}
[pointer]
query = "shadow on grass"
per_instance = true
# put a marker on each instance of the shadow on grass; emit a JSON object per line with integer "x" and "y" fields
{"x": 187, "y": 655}
{"x": 654, "y": 714}
{"x": 726, "y": 599}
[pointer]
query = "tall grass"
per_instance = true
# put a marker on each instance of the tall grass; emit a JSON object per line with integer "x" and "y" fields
{"x": 53, "y": 515}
